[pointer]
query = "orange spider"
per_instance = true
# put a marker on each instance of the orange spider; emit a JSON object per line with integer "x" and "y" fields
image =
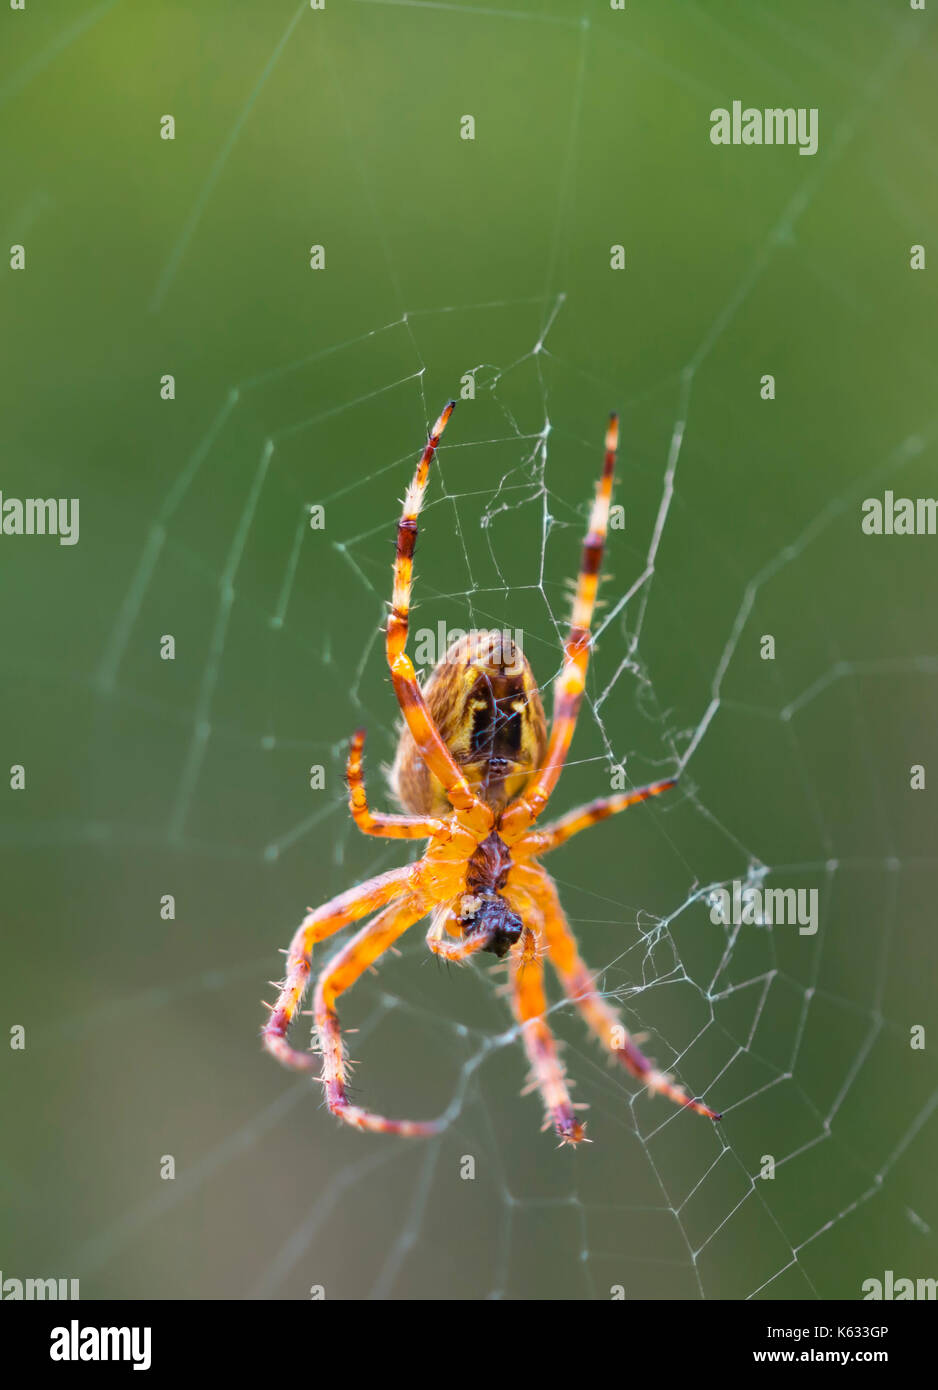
{"x": 474, "y": 770}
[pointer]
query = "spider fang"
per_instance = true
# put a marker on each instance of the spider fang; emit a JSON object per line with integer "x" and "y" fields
{"x": 490, "y": 914}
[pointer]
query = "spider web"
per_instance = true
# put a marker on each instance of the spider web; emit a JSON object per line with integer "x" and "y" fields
{"x": 794, "y": 773}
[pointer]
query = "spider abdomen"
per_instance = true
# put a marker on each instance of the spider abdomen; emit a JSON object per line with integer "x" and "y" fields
{"x": 484, "y": 700}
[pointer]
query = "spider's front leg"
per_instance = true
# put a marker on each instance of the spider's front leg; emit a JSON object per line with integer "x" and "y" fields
{"x": 580, "y": 987}
{"x": 547, "y": 1071}
{"x": 323, "y": 922}
{"x": 341, "y": 973}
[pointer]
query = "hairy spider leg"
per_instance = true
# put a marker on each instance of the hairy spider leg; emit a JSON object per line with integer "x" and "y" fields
{"x": 568, "y": 690}
{"x": 580, "y": 986}
{"x": 548, "y": 1074}
{"x": 458, "y": 949}
{"x": 370, "y": 822}
{"x": 543, "y": 841}
{"x": 340, "y": 974}
{"x": 331, "y": 917}
{"x": 430, "y": 744}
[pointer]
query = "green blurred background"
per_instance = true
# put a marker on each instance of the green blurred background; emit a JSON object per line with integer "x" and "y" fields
{"x": 444, "y": 257}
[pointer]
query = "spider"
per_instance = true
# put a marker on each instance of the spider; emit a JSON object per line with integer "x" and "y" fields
{"x": 475, "y": 768}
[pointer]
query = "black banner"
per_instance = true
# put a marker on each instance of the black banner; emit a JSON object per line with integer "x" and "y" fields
{"x": 287, "y": 1341}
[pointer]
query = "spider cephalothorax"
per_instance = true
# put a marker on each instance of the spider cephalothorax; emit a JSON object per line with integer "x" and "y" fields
{"x": 475, "y": 768}
{"x": 483, "y": 908}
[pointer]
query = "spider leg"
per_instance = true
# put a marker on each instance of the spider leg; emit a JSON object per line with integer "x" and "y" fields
{"x": 340, "y": 974}
{"x": 542, "y": 841}
{"x": 331, "y": 917}
{"x": 547, "y": 1070}
{"x": 456, "y": 949}
{"x": 580, "y": 986}
{"x": 568, "y": 690}
{"x": 430, "y": 744}
{"x": 376, "y": 822}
